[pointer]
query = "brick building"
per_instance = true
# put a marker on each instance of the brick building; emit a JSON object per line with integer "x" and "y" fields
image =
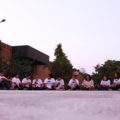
{"x": 40, "y": 60}
{"x": 5, "y": 52}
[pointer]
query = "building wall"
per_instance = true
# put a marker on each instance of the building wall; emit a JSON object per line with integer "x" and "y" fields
{"x": 41, "y": 71}
{"x": 6, "y": 53}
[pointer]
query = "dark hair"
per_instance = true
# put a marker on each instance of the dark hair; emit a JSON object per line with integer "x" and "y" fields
{"x": 27, "y": 75}
{"x": 51, "y": 75}
{"x": 107, "y": 76}
{"x": 118, "y": 75}
{"x": 88, "y": 76}
{"x": 1, "y": 71}
{"x": 16, "y": 74}
{"x": 59, "y": 76}
{"x": 8, "y": 75}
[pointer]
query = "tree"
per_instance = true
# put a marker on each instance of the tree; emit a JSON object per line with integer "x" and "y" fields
{"x": 61, "y": 65}
{"x": 108, "y": 68}
{"x": 21, "y": 65}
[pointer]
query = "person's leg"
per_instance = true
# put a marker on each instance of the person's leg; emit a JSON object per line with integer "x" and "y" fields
{"x": 77, "y": 87}
{"x": 84, "y": 88}
{"x": 114, "y": 87}
{"x": 7, "y": 84}
{"x": 103, "y": 88}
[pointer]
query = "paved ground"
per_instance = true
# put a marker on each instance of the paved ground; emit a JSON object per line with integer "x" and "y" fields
{"x": 59, "y": 105}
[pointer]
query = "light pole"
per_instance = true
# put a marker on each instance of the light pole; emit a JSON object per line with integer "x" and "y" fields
{"x": 3, "y": 20}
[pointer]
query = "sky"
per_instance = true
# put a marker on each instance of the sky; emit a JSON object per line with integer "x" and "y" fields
{"x": 89, "y": 30}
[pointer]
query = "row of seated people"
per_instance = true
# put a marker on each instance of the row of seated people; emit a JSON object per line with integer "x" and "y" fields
{"x": 51, "y": 84}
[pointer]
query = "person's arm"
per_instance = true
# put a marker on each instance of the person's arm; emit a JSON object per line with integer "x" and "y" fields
{"x": 60, "y": 86}
{"x": 77, "y": 81}
{"x": 109, "y": 83}
{"x": 92, "y": 84}
{"x": 63, "y": 84}
{"x": 14, "y": 81}
{"x": 23, "y": 82}
{"x": 102, "y": 83}
{"x": 119, "y": 82}
{"x": 41, "y": 83}
{"x": 53, "y": 83}
{"x": 7, "y": 79}
{"x": 19, "y": 83}
{"x": 33, "y": 83}
{"x": 83, "y": 83}
{"x": 45, "y": 83}
{"x": 70, "y": 82}
{"x": 115, "y": 82}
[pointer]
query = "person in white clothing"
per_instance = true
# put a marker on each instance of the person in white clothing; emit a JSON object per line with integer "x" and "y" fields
{"x": 37, "y": 84}
{"x": 49, "y": 83}
{"x": 73, "y": 83}
{"x": 59, "y": 83}
{"x": 26, "y": 82}
{"x": 16, "y": 83}
{"x": 105, "y": 83}
{"x": 88, "y": 83}
{"x": 2, "y": 76}
{"x": 116, "y": 82}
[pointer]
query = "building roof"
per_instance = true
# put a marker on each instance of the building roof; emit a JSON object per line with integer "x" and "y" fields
{"x": 26, "y": 51}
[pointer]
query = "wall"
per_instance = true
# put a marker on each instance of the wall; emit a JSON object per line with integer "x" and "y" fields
{"x": 6, "y": 53}
{"x": 41, "y": 71}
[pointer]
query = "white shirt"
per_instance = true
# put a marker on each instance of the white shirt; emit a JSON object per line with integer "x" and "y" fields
{"x": 1, "y": 78}
{"x": 49, "y": 82}
{"x": 73, "y": 83}
{"x": 26, "y": 82}
{"x": 59, "y": 84}
{"x": 37, "y": 82}
{"x": 105, "y": 82}
{"x": 88, "y": 84}
{"x": 16, "y": 81}
{"x": 116, "y": 81}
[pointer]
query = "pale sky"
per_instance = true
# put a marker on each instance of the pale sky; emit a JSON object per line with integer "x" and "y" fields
{"x": 89, "y": 30}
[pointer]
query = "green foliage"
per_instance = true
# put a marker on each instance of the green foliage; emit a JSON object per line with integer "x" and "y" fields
{"x": 21, "y": 65}
{"x": 16, "y": 65}
{"x": 108, "y": 68}
{"x": 61, "y": 65}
